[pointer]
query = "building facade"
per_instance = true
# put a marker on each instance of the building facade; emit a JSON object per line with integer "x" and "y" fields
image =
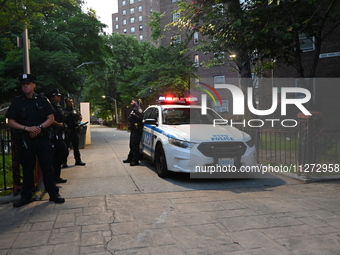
{"x": 132, "y": 18}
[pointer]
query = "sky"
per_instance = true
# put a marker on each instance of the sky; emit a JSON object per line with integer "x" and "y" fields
{"x": 104, "y": 10}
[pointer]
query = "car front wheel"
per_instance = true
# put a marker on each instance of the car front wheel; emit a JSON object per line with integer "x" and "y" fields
{"x": 160, "y": 162}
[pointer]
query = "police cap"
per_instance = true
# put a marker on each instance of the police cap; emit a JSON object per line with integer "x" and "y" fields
{"x": 27, "y": 78}
{"x": 54, "y": 92}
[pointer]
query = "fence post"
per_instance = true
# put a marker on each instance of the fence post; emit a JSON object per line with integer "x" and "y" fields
{"x": 309, "y": 128}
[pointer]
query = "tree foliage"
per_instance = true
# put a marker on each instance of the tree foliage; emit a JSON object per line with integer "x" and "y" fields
{"x": 60, "y": 40}
{"x": 260, "y": 30}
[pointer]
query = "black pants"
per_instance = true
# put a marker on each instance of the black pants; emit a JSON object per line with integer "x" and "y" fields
{"x": 59, "y": 156}
{"x": 73, "y": 138}
{"x": 30, "y": 150}
{"x": 135, "y": 138}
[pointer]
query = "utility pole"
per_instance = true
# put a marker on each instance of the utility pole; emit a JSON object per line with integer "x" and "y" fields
{"x": 26, "y": 54}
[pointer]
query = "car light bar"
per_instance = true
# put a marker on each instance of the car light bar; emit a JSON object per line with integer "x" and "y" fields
{"x": 176, "y": 100}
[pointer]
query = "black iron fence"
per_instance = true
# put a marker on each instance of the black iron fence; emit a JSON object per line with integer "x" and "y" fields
{"x": 6, "y": 158}
{"x": 310, "y": 151}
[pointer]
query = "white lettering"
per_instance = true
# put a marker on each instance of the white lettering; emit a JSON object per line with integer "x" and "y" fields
{"x": 297, "y": 101}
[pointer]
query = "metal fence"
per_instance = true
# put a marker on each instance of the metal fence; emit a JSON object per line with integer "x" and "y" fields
{"x": 6, "y": 157}
{"x": 311, "y": 151}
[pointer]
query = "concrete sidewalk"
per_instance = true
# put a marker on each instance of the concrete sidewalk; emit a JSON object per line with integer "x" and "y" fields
{"x": 110, "y": 210}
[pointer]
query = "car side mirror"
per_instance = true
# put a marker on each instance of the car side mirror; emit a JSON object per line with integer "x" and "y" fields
{"x": 150, "y": 122}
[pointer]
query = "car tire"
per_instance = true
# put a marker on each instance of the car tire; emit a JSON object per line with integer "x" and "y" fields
{"x": 160, "y": 162}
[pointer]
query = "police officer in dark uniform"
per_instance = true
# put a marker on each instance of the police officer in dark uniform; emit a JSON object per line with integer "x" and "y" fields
{"x": 73, "y": 117}
{"x": 60, "y": 151}
{"x": 136, "y": 127}
{"x": 32, "y": 114}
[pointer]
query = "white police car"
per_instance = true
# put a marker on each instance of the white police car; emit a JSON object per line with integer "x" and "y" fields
{"x": 177, "y": 137}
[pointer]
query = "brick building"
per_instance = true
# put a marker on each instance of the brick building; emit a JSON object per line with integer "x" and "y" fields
{"x": 132, "y": 18}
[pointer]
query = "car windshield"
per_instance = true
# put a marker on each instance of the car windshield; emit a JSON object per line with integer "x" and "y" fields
{"x": 180, "y": 116}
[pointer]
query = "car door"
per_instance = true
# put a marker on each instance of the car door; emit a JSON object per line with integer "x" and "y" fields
{"x": 150, "y": 119}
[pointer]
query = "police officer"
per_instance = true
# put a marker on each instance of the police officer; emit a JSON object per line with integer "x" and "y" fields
{"x": 136, "y": 127}
{"x": 60, "y": 151}
{"x": 33, "y": 114}
{"x": 73, "y": 117}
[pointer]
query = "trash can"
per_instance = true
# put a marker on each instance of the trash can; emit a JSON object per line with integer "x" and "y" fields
{"x": 82, "y": 136}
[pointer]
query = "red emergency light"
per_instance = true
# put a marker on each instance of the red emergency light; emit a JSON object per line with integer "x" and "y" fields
{"x": 176, "y": 100}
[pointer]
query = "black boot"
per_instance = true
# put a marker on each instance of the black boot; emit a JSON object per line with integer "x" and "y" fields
{"x": 22, "y": 202}
{"x": 80, "y": 163}
{"x": 57, "y": 199}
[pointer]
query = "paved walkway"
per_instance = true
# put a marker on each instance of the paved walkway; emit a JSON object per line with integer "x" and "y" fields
{"x": 105, "y": 213}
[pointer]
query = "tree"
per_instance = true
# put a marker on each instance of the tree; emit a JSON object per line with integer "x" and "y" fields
{"x": 255, "y": 30}
{"x": 155, "y": 24}
{"x": 61, "y": 39}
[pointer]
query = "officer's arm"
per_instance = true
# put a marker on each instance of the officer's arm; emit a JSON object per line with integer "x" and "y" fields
{"x": 49, "y": 121}
{"x": 33, "y": 130}
{"x": 13, "y": 124}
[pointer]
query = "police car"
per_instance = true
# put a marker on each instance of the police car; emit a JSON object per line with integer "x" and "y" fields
{"x": 178, "y": 137}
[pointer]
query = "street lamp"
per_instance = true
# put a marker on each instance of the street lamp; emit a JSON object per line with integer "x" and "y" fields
{"x": 115, "y": 107}
{"x": 87, "y": 63}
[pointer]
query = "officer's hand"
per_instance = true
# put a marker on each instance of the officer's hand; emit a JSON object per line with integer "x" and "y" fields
{"x": 32, "y": 135}
{"x": 34, "y": 131}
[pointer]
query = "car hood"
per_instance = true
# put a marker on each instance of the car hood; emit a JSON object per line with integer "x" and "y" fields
{"x": 198, "y": 133}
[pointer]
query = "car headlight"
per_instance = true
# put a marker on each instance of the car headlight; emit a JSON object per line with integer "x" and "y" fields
{"x": 250, "y": 143}
{"x": 179, "y": 143}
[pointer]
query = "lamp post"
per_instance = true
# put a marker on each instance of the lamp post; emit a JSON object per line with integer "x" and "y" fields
{"x": 116, "y": 112}
{"x": 87, "y": 63}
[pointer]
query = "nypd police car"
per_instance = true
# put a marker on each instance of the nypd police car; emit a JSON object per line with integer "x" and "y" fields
{"x": 178, "y": 137}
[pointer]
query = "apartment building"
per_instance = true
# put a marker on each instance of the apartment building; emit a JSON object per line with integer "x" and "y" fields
{"x": 220, "y": 74}
{"x": 132, "y": 18}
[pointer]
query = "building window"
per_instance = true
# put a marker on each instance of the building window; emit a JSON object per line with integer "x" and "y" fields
{"x": 116, "y": 18}
{"x": 124, "y": 31}
{"x": 196, "y": 38}
{"x": 219, "y": 80}
{"x": 124, "y": 22}
{"x": 123, "y": 3}
{"x": 132, "y": 29}
{"x": 174, "y": 1}
{"x": 132, "y": 10}
{"x": 140, "y": 18}
{"x": 124, "y": 12}
{"x": 117, "y": 26}
{"x": 141, "y": 1}
{"x": 140, "y": 8}
{"x": 141, "y": 37}
{"x": 221, "y": 108}
{"x": 306, "y": 44}
{"x": 197, "y": 60}
{"x": 176, "y": 39}
{"x": 175, "y": 16}
{"x": 132, "y": 20}
{"x": 140, "y": 27}
{"x": 150, "y": 9}
{"x": 132, "y": 1}
{"x": 219, "y": 57}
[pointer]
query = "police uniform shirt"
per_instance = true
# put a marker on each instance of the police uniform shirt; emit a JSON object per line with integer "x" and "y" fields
{"x": 72, "y": 118}
{"x": 58, "y": 113}
{"x": 58, "y": 117}
{"x": 30, "y": 111}
{"x": 137, "y": 116}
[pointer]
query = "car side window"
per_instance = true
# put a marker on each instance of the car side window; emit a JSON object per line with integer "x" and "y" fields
{"x": 147, "y": 113}
{"x": 154, "y": 114}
